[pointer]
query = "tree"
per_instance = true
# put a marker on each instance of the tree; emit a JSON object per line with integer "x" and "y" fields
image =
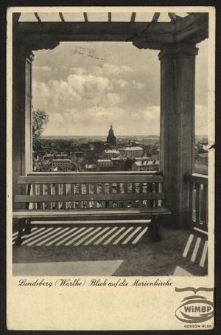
{"x": 39, "y": 123}
{"x": 128, "y": 163}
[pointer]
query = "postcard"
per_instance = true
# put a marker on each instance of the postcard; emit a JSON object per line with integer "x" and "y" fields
{"x": 110, "y": 168}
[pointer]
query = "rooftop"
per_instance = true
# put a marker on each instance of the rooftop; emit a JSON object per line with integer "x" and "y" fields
{"x": 131, "y": 148}
{"x": 146, "y": 163}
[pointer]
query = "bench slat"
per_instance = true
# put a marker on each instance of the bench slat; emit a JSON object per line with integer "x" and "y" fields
{"x": 88, "y": 197}
{"x": 98, "y": 213}
{"x": 130, "y": 178}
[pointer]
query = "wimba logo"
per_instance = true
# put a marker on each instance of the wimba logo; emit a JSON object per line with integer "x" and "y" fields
{"x": 194, "y": 308}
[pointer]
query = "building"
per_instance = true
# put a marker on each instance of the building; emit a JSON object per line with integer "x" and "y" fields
{"x": 118, "y": 163}
{"x": 111, "y": 153}
{"x": 111, "y": 139}
{"x": 90, "y": 167}
{"x": 131, "y": 152}
{"x": 202, "y": 158}
{"x": 96, "y": 146}
{"x": 62, "y": 164}
{"x": 145, "y": 165}
{"x": 105, "y": 163}
{"x": 48, "y": 157}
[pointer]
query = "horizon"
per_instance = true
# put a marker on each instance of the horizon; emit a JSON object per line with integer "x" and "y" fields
{"x": 87, "y": 136}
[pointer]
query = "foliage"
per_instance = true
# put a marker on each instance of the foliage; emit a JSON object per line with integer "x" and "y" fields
{"x": 39, "y": 123}
{"x": 128, "y": 164}
{"x": 41, "y": 165}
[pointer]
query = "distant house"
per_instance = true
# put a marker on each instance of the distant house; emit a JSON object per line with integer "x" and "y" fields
{"x": 91, "y": 167}
{"x": 48, "y": 157}
{"x": 131, "y": 152}
{"x": 145, "y": 165}
{"x": 202, "y": 159}
{"x": 62, "y": 164}
{"x": 62, "y": 155}
{"x": 105, "y": 163}
{"x": 118, "y": 163}
{"x": 111, "y": 153}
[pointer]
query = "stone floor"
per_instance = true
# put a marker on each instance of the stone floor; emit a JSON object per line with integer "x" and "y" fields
{"x": 179, "y": 253}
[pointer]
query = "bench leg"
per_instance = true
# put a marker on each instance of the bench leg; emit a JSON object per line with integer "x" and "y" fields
{"x": 18, "y": 240}
{"x": 27, "y": 226}
{"x": 154, "y": 229}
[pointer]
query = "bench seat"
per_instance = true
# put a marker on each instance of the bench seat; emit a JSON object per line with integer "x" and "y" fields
{"x": 96, "y": 213}
{"x": 98, "y": 198}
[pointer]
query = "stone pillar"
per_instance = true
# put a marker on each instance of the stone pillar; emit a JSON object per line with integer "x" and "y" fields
{"x": 177, "y": 126}
{"x": 21, "y": 115}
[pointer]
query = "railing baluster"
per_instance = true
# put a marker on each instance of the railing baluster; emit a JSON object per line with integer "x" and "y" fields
{"x": 72, "y": 193}
{"x": 95, "y": 192}
{"x": 45, "y": 192}
{"x": 56, "y": 190}
{"x": 30, "y": 187}
{"x": 41, "y": 192}
{"x": 118, "y": 192}
{"x": 80, "y": 192}
{"x": 102, "y": 187}
{"x": 125, "y": 191}
{"x": 204, "y": 212}
{"x": 197, "y": 203}
{"x": 152, "y": 202}
{"x": 149, "y": 189}
{"x": 68, "y": 192}
{"x": 61, "y": 191}
{"x": 35, "y": 205}
{"x": 198, "y": 200}
{"x": 49, "y": 204}
{"x": 110, "y": 192}
{"x": 77, "y": 204}
{"x": 191, "y": 202}
{"x": 160, "y": 190}
{"x": 87, "y": 192}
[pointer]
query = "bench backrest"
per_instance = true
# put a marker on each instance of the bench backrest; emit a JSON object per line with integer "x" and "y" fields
{"x": 82, "y": 191}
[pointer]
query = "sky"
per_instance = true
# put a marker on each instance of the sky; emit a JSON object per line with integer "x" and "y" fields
{"x": 85, "y": 87}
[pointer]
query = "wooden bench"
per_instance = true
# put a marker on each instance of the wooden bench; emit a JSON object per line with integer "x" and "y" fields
{"x": 90, "y": 197}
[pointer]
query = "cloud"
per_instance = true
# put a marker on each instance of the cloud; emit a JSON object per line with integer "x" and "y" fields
{"x": 106, "y": 69}
{"x": 78, "y": 70}
{"x": 96, "y": 121}
{"x": 109, "y": 69}
{"x": 77, "y": 90}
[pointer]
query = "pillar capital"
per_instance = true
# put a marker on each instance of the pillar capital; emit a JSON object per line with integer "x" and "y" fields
{"x": 179, "y": 48}
{"x": 23, "y": 46}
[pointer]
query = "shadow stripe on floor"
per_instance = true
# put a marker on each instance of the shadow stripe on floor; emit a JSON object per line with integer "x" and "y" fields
{"x": 196, "y": 250}
{"x": 96, "y": 235}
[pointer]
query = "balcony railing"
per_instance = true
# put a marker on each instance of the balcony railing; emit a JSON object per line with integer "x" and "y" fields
{"x": 198, "y": 200}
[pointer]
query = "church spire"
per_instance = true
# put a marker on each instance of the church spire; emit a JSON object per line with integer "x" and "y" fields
{"x": 111, "y": 139}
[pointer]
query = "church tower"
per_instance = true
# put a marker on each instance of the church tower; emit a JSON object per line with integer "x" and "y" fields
{"x": 111, "y": 139}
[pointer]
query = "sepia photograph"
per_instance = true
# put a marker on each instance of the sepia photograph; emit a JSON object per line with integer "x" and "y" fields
{"x": 110, "y": 123}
